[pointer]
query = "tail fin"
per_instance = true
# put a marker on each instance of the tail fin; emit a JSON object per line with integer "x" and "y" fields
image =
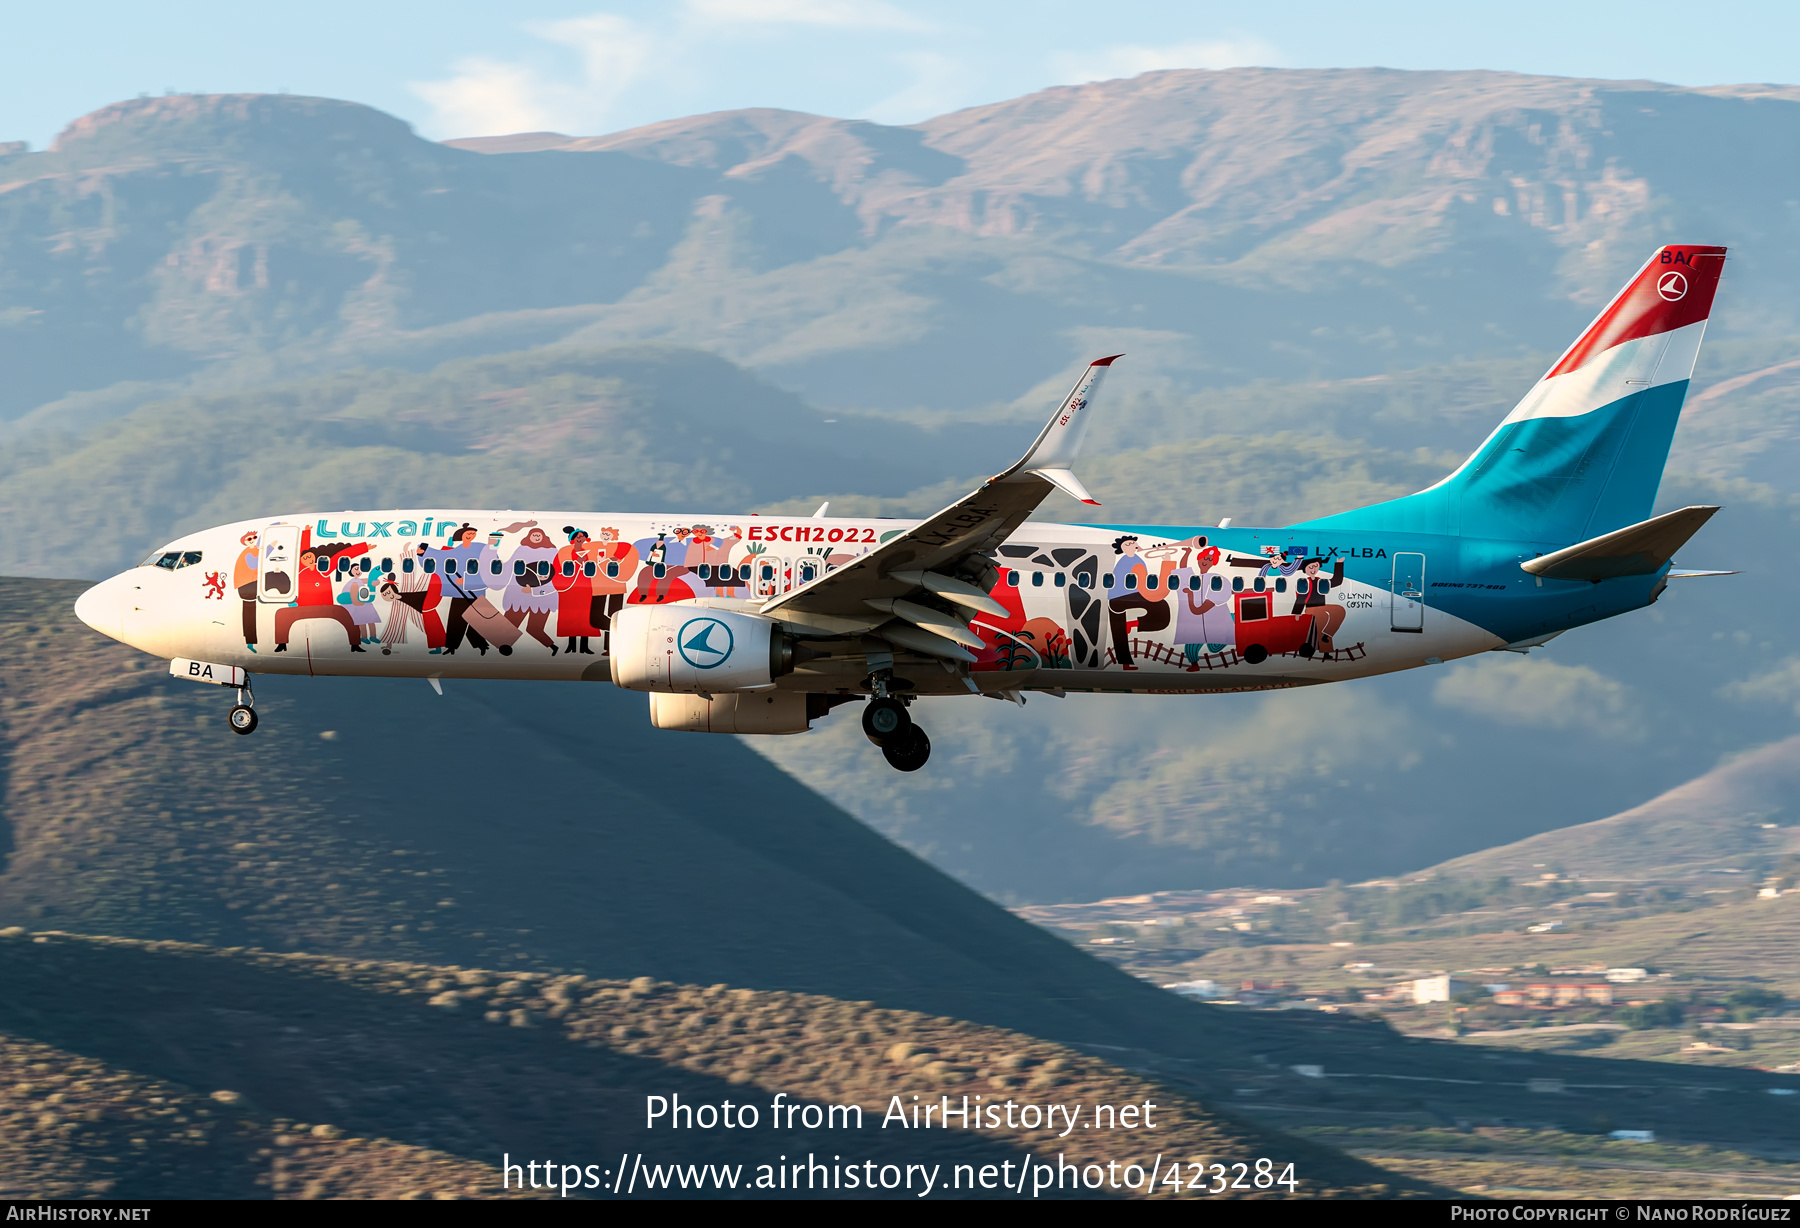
{"x": 1583, "y": 453}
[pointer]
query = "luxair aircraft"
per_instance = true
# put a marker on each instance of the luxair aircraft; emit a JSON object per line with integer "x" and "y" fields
{"x": 763, "y": 624}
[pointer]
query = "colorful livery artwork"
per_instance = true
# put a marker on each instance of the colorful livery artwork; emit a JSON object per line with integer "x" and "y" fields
{"x": 738, "y": 623}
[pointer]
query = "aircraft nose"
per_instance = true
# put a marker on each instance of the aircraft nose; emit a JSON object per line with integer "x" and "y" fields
{"x": 102, "y": 609}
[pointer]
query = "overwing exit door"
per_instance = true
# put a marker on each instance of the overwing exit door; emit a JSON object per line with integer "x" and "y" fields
{"x": 1407, "y": 599}
{"x": 278, "y": 564}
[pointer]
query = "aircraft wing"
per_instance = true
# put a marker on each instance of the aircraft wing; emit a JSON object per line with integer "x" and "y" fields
{"x": 945, "y": 553}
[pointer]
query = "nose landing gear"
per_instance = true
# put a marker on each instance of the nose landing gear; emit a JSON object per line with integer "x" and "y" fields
{"x": 887, "y": 723}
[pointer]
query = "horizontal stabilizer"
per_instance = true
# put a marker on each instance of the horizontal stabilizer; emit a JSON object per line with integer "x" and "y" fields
{"x": 1635, "y": 550}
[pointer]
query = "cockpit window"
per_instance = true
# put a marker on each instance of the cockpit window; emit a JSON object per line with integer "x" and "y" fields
{"x": 172, "y": 560}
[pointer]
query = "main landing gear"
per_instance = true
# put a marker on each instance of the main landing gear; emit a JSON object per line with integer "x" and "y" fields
{"x": 887, "y": 723}
{"x": 242, "y": 717}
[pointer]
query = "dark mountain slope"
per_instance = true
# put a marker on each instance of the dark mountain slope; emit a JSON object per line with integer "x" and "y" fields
{"x": 534, "y": 825}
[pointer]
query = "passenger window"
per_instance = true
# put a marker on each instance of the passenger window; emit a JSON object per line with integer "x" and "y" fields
{"x": 1106, "y": 581}
{"x": 1037, "y": 579}
{"x": 406, "y": 565}
{"x": 659, "y": 570}
{"x": 1062, "y": 581}
{"x": 1012, "y": 579}
{"x": 1151, "y": 581}
{"x": 704, "y": 571}
{"x": 543, "y": 568}
{"x": 1281, "y": 586}
{"x": 387, "y": 567}
{"x": 493, "y": 567}
{"x": 430, "y": 566}
{"x": 768, "y": 572}
{"x": 518, "y": 567}
{"x": 1300, "y": 586}
{"x": 1131, "y": 579}
{"x": 612, "y": 569}
{"x": 1260, "y": 584}
{"x": 1237, "y": 584}
{"x": 1324, "y": 587}
{"x": 743, "y": 572}
{"x": 324, "y": 563}
{"x": 1218, "y": 582}
{"x": 367, "y": 563}
{"x": 568, "y": 568}
{"x": 1084, "y": 579}
{"x": 587, "y": 569}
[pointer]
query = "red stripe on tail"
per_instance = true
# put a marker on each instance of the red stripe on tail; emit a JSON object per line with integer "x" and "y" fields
{"x": 1673, "y": 290}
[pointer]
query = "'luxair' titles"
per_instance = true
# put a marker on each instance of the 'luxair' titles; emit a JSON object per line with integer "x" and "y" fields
{"x": 447, "y": 523}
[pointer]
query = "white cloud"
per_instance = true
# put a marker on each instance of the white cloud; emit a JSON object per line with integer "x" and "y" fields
{"x": 939, "y": 84}
{"x": 1106, "y": 63}
{"x": 841, "y": 14}
{"x": 1533, "y": 692}
{"x": 490, "y": 97}
{"x": 1779, "y": 684}
{"x": 486, "y": 98}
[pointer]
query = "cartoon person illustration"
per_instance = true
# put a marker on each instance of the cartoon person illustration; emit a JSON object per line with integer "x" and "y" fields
{"x": 314, "y": 597}
{"x": 1279, "y": 561}
{"x": 708, "y": 559}
{"x": 616, "y": 562}
{"x": 1130, "y": 580}
{"x": 530, "y": 596}
{"x": 355, "y": 595}
{"x": 243, "y": 579}
{"x": 1327, "y": 616}
{"x": 422, "y": 592}
{"x": 575, "y": 590}
{"x": 464, "y": 566}
{"x": 1202, "y": 621}
{"x": 397, "y": 613}
{"x": 660, "y": 580}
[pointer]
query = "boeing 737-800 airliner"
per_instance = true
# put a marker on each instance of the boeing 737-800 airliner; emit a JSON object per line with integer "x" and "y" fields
{"x": 762, "y": 624}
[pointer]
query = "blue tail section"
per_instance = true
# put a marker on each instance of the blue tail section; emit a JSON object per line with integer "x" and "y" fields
{"x": 1583, "y": 453}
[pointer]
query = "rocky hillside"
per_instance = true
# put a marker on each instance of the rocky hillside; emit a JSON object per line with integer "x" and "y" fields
{"x": 246, "y": 1075}
{"x": 1222, "y": 225}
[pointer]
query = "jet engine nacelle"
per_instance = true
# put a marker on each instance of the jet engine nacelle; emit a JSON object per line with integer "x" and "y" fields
{"x": 740, "y": 712}
{"x": 683, "y": 649}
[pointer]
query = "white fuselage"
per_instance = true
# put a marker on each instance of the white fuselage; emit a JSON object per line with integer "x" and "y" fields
{"x": 531, "y": 595}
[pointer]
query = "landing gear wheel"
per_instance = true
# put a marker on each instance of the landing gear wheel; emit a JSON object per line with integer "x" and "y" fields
{"x": 885, "y": 721}
{"x": 242, "y": 718}
{"x": 908, "y": 753}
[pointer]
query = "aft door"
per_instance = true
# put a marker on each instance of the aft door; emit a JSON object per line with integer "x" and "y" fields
{"x": 1408, "y": 593}
{"x": 278, "y": 564}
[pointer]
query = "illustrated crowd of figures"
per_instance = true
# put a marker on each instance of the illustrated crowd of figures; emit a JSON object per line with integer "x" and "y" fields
{"x": 1175, "y": 604}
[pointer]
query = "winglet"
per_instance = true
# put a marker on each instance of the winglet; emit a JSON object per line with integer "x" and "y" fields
{"x": 1059, "y": 443}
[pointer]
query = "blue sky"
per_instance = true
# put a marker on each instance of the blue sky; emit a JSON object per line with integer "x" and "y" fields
{"x": 457, "y": 68}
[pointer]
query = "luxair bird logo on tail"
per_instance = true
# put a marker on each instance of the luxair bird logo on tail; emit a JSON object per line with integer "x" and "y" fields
{"x": 705, "y": 643}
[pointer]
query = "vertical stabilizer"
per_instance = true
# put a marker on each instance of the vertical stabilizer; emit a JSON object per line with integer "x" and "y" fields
{"x": 1583, "y": 453}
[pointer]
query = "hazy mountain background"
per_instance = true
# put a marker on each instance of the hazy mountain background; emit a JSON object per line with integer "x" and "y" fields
{"x": 1329, "y": 286}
